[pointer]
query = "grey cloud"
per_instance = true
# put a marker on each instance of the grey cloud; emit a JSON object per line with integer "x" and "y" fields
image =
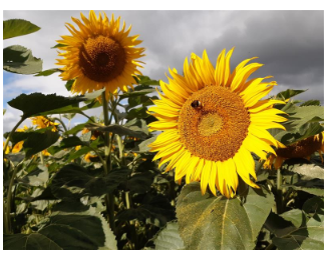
{"x": 289, "y": 43}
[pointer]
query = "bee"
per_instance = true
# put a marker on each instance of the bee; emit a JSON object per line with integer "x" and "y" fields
{"x": 196, "y": 104}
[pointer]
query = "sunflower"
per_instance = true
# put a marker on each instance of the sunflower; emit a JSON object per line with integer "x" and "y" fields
{"x": 89, "y": 156}
{"x": 99, "y": 55}
{"x": 302, "y": 149}
{"x": 212, "y": 120}
{"x": 43, "y": 122}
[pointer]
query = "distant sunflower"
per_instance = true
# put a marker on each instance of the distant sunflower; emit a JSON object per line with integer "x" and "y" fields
{"x": 212, "y": 120}
{"x": 302, "y": 149}
{"x": 43, "y": 122}
{"x": 99, "y": 55}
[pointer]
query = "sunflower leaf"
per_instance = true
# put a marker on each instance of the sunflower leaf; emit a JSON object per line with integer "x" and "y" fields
{"x": 309, "y": 236}
{"x": 48, "y": 72}
{"x": 133, "y": 131}
{"x": 284, "y": 95}
{"x": 169, "y": 238}
{"x": 73, "y": 181}
{"x": 208, "y": 222}
{"x": 37, "y": 103}
{"x": 37, "y": 142}
{"x": 310, "y": 103}
{"x": 18, "y": 27}
{"x": 85, "y": 230}
{"x": 307, "y": 170}
{"x": 18, "y": 59}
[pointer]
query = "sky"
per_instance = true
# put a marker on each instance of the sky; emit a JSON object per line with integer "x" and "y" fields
{"x": 290, "y": 44}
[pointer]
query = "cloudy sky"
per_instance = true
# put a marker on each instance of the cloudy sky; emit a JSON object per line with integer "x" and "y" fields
{"x": 289, "y": 43}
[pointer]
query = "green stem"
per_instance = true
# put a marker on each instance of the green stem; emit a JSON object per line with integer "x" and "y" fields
{"x": 109, "y": 197}
{"x": 83, "y": 114}
{"x": 41, "y": 158}
{"x": 5, "y": 218}
{"x": 9, "y": 136}
{"x": 9, "y": 196}
{"x": 62, "y": 123}
{"x": 279, "y": 192}
{"x": 121, "y": 147}
{"x": 127, "y": 196}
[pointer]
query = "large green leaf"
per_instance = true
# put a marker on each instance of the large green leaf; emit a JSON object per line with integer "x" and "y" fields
{"x": 296, "y": 216}
{"x": 208, "y": 222}
{"x": 169, "y": 238}
{"x": 37, "y": 142}
{"x": 85, "y": 230}
{"x": 307, "y": 237}
{"x": 314, "y": 205}
{"x": 303, "y": 122}
{"x": 154, "y": 209}
{"x": 307, "y": 170}
{"x": 299, "y": 116}
{"x": 37, "y": 103}
{"x": 133, "y": 131}
{"x": 74, "y": 181}
{"x": 38, "y": 177}
{"x": 18, "y": 27}
{"x": 18, "y": 59}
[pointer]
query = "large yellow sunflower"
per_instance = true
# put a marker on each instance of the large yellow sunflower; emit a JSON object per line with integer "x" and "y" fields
{"x": 302, "y": 149}
{"x": 99, "y": 55}
{"x": 212, "y": 121}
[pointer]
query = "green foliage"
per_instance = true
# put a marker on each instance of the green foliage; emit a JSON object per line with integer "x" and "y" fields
{"x": 18, "y": 59}
{"x": 48, "y": 72}
{"x": 208, "y": 222}
{"x": 18, "y": 27}
{"x": 106, "y": 178}
{"x": 46, "y": 103}
{"x": 303, "y": 120}
{"x": 66, "y": 231}
{"x": 285, "y": 95}
{"x": 169, "y": 238}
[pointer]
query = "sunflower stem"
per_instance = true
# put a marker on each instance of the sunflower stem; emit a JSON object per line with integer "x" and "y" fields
{"x": 279, "y": 192}
{"x": 41, "y": 158}
{"x": 109, "y": 200}
{"x": 10, "y": 134}
{"x": 62, "y": 123}
{"x": 9, "y": 198}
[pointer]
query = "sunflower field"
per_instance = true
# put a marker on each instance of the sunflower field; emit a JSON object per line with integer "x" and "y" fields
{"x": 207, "y": 160}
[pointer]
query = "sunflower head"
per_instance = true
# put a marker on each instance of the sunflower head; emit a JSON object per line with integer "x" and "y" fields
{"x": 43, "y": 122}
{"x": 99, "y": 54}
{"x": 301, "y": 149}
{"x": 212, "y": 120}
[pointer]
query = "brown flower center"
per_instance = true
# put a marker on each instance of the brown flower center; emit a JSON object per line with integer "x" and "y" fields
{"x": 102, "y": 59}
{"x": 214, "y": 129}
{"x": 301, "y": 149}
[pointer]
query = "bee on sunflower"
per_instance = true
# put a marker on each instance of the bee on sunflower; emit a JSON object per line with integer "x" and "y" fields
{"x": 212, "y": 120}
